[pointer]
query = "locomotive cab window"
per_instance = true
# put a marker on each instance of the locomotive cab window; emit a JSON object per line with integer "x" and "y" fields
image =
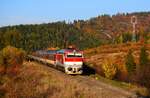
{"x": 74, "y": 55}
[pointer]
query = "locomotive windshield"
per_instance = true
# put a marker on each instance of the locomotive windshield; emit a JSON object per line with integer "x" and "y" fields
{"x": 74, "y": 55}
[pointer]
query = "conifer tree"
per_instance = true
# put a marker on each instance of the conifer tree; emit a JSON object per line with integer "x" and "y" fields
{"x": 130, "y": 63}
{"x": 143, "y": 57}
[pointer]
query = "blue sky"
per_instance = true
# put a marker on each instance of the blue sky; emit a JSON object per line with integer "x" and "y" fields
{"x": 14, "y": 12}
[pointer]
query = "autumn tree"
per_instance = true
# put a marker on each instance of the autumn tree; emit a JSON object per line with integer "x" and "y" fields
{"x": 11, "y": 57}
{"x": 130, "y": 63}
{"x": 143, "y": 57}
{"x": 144, "y": 68}
{"x": 109, "y": 68}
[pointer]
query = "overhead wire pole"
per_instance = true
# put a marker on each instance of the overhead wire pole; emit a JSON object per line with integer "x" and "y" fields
{"x": 134, "y": 22}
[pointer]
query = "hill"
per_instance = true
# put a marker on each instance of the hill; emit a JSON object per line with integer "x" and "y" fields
{"x": 35, "y": 37}
{"x": 104, "y": 29}
{"x": 116, "y": 54}
{"x": 115, "y": 25}
{"x": 39, "y": 81}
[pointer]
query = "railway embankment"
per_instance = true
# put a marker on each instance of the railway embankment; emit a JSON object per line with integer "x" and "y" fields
{"x": 36, "y": 80}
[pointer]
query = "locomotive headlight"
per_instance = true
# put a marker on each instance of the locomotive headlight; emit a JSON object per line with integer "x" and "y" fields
{"x": 79, "y": 69}
{"x": 69, "y": 69}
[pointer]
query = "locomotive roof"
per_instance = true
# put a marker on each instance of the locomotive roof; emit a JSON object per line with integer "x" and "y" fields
{"x": 62, "y": 51}
{"x": 46, "y": 52}
{"x": 67, "y": 50}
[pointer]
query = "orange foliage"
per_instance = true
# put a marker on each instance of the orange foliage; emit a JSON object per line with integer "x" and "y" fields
{"x": 96, "y": 56}
{"x": 11, "y": 60}
{"x": 122, "y": 73}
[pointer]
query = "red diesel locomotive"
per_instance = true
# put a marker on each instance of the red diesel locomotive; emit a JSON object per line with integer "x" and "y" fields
{"x": 68, "y": 60}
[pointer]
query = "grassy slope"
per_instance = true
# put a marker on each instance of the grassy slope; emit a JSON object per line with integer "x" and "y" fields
{"x": 96, "y": 56}
{"x": 36, "y": 81}
{"x": 116, "y": 52}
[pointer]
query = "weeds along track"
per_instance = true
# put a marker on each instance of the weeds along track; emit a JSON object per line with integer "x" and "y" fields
{"x": 100, "y": 88}
{"x": 99, "y": 85}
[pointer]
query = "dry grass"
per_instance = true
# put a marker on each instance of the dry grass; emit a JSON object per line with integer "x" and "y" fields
{"x": 97, "y": 56}
{"x": 115, "y": 48}
{"x": 36, "y": 81}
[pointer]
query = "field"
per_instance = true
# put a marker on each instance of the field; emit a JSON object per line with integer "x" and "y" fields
{"x": 39, "y": 81}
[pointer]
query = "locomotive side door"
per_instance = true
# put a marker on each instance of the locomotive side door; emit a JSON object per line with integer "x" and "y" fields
{"x": 59, "y": 59}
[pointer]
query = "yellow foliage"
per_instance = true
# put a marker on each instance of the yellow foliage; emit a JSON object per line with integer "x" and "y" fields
{"x": 109, "y": 68}
{"x": 11, "y": 57}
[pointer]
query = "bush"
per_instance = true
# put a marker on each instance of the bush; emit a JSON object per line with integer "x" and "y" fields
{"x": 144, "y": 68}
{"x": 109, "y": 68}
{"x": 122, "y": 73}
{"x": 127, "y": 37}
{"x": 11, "y": 58}
{"x": 143, "y": 57}
{"x": 130, "y": 63}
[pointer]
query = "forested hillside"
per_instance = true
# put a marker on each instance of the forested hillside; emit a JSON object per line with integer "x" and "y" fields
{"x": 35, "y": 37}
{"x": 82, "y": 33}
{"x": 117, "y": 26}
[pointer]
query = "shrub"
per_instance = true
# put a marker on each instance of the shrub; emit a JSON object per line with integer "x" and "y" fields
{"x": 143, "y": 57}
{"x": 122, "y": 73}
{"x": 130, "y": 63}
{"x": 144, "y": 68}
{"x": 11, "y": 58}
{"x": 109, "y": 68}
{"x": 127, "y": 37}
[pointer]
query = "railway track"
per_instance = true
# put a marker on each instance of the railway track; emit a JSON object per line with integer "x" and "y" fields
{"x": 95, "y": 85}
{"x": 98, "y": 85}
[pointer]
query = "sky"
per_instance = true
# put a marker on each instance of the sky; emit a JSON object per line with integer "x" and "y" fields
{"x": 15, "y": 12}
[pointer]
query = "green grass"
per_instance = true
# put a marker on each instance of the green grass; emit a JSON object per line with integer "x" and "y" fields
{"x": 124, "y": 85}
